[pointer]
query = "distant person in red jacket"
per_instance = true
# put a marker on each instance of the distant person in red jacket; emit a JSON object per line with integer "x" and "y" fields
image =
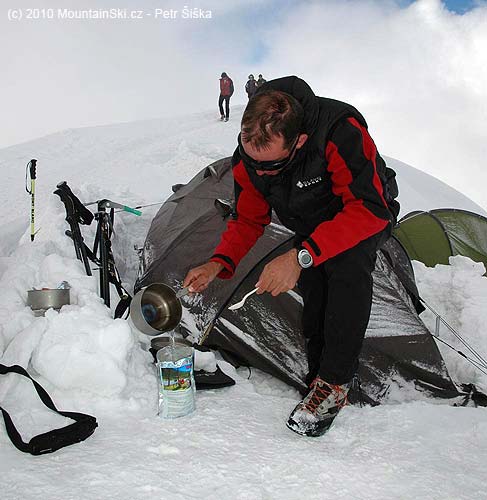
{"x": 226, "y": 91}
{"x": 311, "y": 160}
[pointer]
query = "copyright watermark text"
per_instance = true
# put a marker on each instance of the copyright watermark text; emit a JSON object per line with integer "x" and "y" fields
{"x": 63, "y": 14}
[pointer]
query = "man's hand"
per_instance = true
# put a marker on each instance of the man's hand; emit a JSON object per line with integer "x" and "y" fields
{"x": 200, "y": 277}
{"x": 280, "y": 274}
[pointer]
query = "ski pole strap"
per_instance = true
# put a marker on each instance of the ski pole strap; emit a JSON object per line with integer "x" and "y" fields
{"x": 83, "y": 427}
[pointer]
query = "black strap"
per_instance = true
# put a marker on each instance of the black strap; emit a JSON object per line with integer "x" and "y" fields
{"x": 122, "y": 306}
{"x": 472, "y": 396}
{"x": 83, "y": 427}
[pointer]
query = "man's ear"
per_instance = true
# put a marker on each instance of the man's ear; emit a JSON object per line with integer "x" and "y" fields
{"x": 302, "y": 139}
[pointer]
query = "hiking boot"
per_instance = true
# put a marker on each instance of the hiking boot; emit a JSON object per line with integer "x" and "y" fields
{"x": 222, "y": 117}
{"x": 226, "y": 119}
{"x": 314, "y": 415}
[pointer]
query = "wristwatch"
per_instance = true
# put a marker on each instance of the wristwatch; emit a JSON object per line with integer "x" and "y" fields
{"x": 305, "y": 259}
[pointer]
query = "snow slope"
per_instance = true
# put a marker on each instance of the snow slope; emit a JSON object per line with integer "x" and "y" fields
{"x": 147, "y": 157}
{"x": 236, "y": 444}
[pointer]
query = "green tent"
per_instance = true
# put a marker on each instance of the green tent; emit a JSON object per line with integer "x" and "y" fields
{"x": 432, "y": 237}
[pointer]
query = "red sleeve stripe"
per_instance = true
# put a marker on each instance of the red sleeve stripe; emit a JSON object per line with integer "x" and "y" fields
{"x": 370, "y": 152}
{"x": 250, "y": 201}
{"x": 242, "y": 232}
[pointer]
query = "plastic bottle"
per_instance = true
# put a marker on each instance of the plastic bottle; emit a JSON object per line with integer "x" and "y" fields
{"x": 176, "y": 380}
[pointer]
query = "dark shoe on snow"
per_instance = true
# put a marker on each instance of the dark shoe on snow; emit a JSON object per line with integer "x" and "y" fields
{"x": 222, "y": 117}
{"x": 226, "y": 119}
{"x": 314, "y": 415}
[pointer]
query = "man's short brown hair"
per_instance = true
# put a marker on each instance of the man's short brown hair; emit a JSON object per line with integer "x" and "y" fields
{"x": 270, "y": 113}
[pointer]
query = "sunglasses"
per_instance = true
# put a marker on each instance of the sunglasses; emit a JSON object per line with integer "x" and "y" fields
{"x": 266, "y": 165}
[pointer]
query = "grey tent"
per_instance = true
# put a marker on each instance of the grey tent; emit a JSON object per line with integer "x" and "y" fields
{"x": 266, "y": 333}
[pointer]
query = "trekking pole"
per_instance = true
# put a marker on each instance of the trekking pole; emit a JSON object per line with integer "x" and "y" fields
{"x": 108, "y": 272}
{"x": 30, "y": 170}
{"x": 76, "y": 214}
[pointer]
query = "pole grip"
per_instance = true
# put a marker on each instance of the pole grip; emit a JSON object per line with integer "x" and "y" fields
{"x": 32, "y": 167}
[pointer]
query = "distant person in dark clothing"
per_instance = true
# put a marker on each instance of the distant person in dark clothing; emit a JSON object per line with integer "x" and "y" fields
{"x": 251, "y": 86}
{"x": 226, "y": 91}
{"x": 260, "y": 81}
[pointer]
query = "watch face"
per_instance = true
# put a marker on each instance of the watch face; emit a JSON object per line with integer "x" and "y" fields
{"x": 304, "y": 258}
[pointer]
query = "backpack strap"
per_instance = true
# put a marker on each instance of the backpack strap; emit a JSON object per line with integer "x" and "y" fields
{"x": 83, "y": 427}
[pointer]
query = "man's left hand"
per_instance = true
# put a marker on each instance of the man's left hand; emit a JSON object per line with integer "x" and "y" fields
{"x": 280, "y": 274}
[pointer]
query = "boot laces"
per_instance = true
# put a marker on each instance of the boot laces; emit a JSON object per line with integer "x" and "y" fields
{"x": 321, "y": 390}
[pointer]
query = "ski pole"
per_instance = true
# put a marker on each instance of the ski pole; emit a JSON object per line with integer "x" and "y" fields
{"x": 31, "y": 170}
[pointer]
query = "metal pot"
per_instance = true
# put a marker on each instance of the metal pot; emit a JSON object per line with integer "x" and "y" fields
{"x": 156, "y": 309}
{"x": 47, "y": 298}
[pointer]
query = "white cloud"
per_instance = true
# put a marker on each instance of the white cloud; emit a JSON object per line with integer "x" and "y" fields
{"x": 419, "y": 75}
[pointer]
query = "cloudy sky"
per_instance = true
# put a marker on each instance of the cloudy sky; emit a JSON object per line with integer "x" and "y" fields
{"x": 417, "y": 70}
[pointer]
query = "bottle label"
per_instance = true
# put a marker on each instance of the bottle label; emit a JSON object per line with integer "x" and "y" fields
{"x": 176, "y": 375}
{"x": 176, "y": 388}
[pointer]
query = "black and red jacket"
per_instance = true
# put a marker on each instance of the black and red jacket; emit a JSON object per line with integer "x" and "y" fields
{"x": 333, "y": 195}
{"x": 226, "y": 86}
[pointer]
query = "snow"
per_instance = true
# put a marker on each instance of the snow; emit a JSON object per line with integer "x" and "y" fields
{"x": 236, "y": 444}
{"x": 205, "y": 361}
{"x": 457, "y": 292}
{"x": 421, "y": 191}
